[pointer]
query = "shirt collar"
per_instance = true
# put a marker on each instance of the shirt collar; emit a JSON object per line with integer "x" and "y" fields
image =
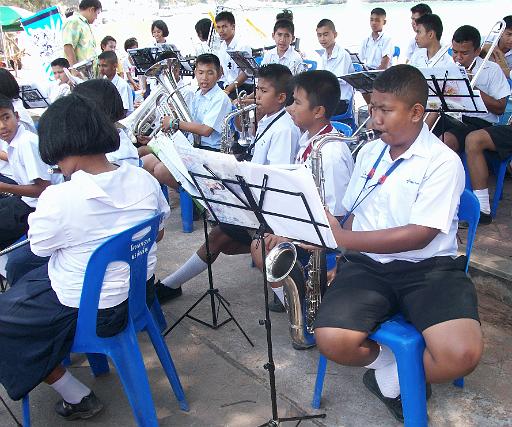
{"x": 233, "y": 43}
{"x": 211, "y": 93}
{"x": 82, "y": 18}
{"x": 267, "y": 118}
{"x": 418, "y": 148}
{"x": 378, "y": 37}
{"x": 90, "y": 188}
{"x": 17, "y": 137}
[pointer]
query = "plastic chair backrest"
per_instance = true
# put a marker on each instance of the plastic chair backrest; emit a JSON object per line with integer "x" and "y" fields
{"x": 396, "y": 52}
{"x": 357, "y": 67}
{"x": 258, "y": 59}
{"x": 450, "y": 51}
{"x": 345, "y": 129}
{"x": 130, "y": 246}
{"x": 310, "y": 64}
{"x": 469, "y": 211}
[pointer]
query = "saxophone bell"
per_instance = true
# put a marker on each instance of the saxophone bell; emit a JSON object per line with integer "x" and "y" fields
{"x": 280, "y": 261}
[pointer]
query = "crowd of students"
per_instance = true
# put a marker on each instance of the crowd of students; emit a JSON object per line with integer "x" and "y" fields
{"x": 394, "y": 210}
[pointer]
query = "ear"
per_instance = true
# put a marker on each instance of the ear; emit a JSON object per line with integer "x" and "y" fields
{"x": 281, "y": 98}
{"x": 319, "y": 112}
{"x": 417, "y": 113}
{"x": 335, "y": 34}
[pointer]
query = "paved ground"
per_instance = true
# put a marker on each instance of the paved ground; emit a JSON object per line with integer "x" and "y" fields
{"x": 226, "y": 384}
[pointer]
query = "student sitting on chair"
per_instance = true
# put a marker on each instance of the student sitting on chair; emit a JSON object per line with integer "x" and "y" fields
{"x": 108, "y": 66}
{"x": 377, "y": 49}
{"x": 60, "y": 87}
{"x": 492, "y": 84}
{"x": 400, "y": 237}
{"x": 9, "y": 87}
{"x": 502, "y": 54}
{"x": 336, "y": 60}
{"x": 276, "y": 142}
{"x": 38, "y": 315}
{"x": 315, "y": 96}
{"x": 416, "y": 11}
{"x": 429, "y": 29}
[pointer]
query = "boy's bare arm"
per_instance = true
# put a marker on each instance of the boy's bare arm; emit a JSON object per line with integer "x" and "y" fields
{"x": 31, "y": 190}
{"x": 196, "y": 128}
{"x": 384, "y": 63}
{"x": 3, "y": 156}
{"x": 70, "y": 54}
{"x": 241, "y": 78}
{"x": 495, "y": 106}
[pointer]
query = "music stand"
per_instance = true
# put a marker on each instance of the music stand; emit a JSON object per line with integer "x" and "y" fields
{"x": 354, "y": 58}
{"x": 245, "y": 62}
{"x": 33, "y": 98}
{"x": 244, "y": 192}
{"x": 362, "y": 80}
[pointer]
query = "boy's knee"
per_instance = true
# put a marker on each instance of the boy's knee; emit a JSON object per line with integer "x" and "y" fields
{"x": 336, "y": 344}
{"x": 473, "y": 143}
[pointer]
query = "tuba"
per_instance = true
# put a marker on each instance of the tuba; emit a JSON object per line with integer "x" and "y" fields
{"x": 83, "y": 70}
{"x": 302, "y": 294}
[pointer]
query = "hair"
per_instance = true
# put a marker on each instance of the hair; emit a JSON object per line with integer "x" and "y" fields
{"x": 225, "y": 16}
{"x": 108, "y": 56}
{"x": 105, "y": 41}
{"x": 508, "y": 22}
{"x": 322, "y": 89}
{"x": 161, "y": 25}
{"x": 285, "y": 24}
{"x": 6, "y": 103}
{"x": 74, "y": 126}
{"x": 208, "y": 58}
{"x": 69, "y": 11}
{"x": 421, "y": 8}
{"x": 326, "y": 23}
{"x": 467, "y": 33}
{"x": 8, "y": 85}
{"x": 431, "y": 22}
{"x": 105, "y": 95}
{"x": 280, "y": 77}
{"x": 203, "y": 27}
{"x": 405, "y": 82}
{"x": 285, "y": 14}
{"x": 60, "y": 62}
{"x": 86, "y": 4}
{"x": 379, "y": 11}
{"x": 130, "y": 43}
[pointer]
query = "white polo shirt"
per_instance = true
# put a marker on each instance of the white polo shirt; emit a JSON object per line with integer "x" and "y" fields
{"x": 372, "y": 51}
{"x": 210, "y": 109}
{"x": 25, "y": 118}
{"x": 25, "y": 161}
{"x": 5, "y": 167}
{"x": 74, "y": 218}
{"x": 291, "y": 59}
{"x": 494, "y": 83}
{"x": 340, "y": 64}
{"x": 424, "y": 189}
{"x": 279, "y": 144}
{"x": 229, "y": 67}
{"x": 441, "y": 59}
{"x": 412, "y": 47}
{"x": 508, "y": 60}
{"x": 337, "y": 164}
{"x": 125, "y": 91}
{"x": 56, "y": 91}
{"x": 126, "y": 151}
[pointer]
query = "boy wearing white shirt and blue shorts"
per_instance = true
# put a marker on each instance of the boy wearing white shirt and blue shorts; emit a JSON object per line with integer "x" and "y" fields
{"x": 400, "y": 237}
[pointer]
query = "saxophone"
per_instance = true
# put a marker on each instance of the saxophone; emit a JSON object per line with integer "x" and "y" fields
{"x": 303, "y": 295}
{"x": 227, "y": 137}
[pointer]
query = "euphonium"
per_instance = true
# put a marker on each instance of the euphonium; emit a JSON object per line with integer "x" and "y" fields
{"x": 304, "y": 295}
{"x": 83, "y": 70}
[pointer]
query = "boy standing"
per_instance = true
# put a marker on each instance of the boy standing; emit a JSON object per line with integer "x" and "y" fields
{"x": 492, "y": 84}
{"x": 416, "y": 11}
{"x": 336, "y": 60}
{"x": 377, "y": 49}
{"x": 28, "y": 171}
{"x": 108, "y": 68}
{"x": 284, "y": 53}
{"x": 128, "y": 65}
{"x": 429, "y": 30}
{"x": 402, "y": 203}
{"x": 232, "y": 76}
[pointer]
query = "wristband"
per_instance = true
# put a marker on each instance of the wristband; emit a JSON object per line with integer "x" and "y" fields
{"x": 176, "y": 124}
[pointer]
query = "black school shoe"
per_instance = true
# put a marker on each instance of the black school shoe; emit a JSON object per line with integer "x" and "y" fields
{"x": 165, "y": 294}
{"x": 485, "y": 219}
{"x": 394, "y": 405}
{"x": 89, "y": 406}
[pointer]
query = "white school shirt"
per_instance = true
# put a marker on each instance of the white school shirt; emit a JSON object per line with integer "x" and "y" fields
{"x": 340, "y": 64}
{"x": 424, "y": 189}
{"x": 412, "y": 48}
{"x": 126, "y": 151}
{"x": 290, "y": 59}
{"x": 494, "y": 83}
{"x": 5, "y": 167}
{"x": 128, "y": 68}
{"x": 508, "y": 60}
{"x": 24, "y": 116}
{"x": 441, "y": 59}
{"x": 229, "y": 67}
{"x": 372, "y": 51}
{"x": 210, "y": 109}
{"x": 74, "y": 218}
{"x": 337, "y": 164}
{"x": 125, "y": 91}
{"x": 279, "y": 144}
{"x": 25, "y": 161}
{"x": 56, "y": 91}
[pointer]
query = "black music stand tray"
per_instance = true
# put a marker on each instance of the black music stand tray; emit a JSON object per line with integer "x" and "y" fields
{"x": 245, "y": 62}
{"x": 362, "y": 81}
{"x": 257, "y": 208}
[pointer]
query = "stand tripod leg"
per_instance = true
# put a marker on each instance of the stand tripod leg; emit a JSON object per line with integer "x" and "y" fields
{"x": 231, "y": 317}
{"x": 186, "y": 314}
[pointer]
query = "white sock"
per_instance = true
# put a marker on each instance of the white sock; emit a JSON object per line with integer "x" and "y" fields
{"x": 71, "y": 390}
{"x": 386, "y": 372}
{"x": 280, "y": 293}
{"x": 187, "y": 271}
{"x": 483, "y": 198}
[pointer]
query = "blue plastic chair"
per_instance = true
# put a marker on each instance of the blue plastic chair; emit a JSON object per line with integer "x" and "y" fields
{"x": 345, "y": 129}
{"x": 407, "y": 343}
{"x": 132, "y": 247}
{"x": 187, "y": 211}
{"x": 357, "y": 67}
{"x": 258, "y": 59}
{"x": 396, "y": 52}
{"x": 310, "y": 64}
{"x": 347, "y": 116}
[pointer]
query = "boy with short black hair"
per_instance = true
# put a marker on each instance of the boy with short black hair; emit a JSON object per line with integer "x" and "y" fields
{"x": 416, "y": 11}
{"x": 502, "y": 55}
{"x": 28, "y": 171}
{"x": 108, "y": 67}
{"x": 400, "y": 233}
{"x": 276, "y": 142}
{"x": 128, "y": 65}
{"x": 232, "y": 75}
{"x": 203, "y": 28}
{"x": 429, "y": 29}
{"x": 336, "y": 60}
{"x": 492, "y": 84}
{"x": 283, "y": 35}
{"x": 60, "y": 87}
{"x": 377, "y": 49}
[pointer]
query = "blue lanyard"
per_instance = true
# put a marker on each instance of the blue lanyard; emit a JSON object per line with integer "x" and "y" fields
{"x": 372, "y": 187}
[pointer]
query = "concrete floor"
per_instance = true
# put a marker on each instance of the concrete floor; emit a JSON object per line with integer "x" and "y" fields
{"x": 226, "y": 384}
